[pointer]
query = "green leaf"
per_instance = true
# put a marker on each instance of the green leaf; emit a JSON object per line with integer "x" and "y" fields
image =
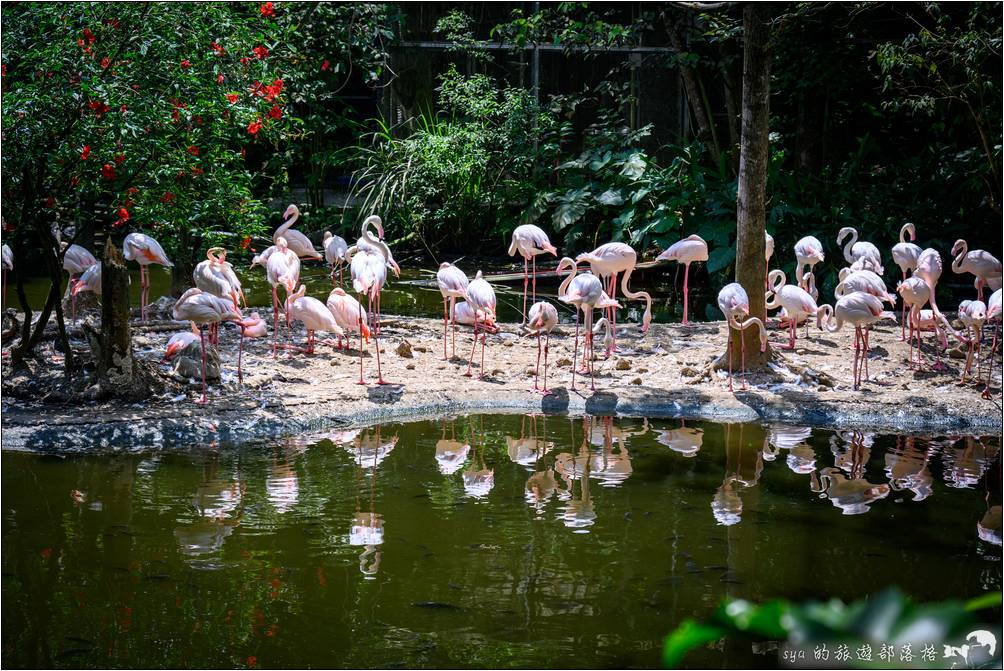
{"x": 688, "y": 636}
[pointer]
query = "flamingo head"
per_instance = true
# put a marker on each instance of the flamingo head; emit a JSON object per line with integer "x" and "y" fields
{"x": 910, "y": 230}
{"x": 550, "y": 249}
{"x": 292, "y": 210}
{"x": 376, "y": 222}
{"x": 566, "y": 262}
{"x": 444, "y": 265}
{"x": 396, "y": 268}
{"x": 958, "y": 246}
{"x": 327, "y": 236}
{"x": 365, "y": 331}
{"x": 844, "y": 232}
{"x": 281, "y": 243}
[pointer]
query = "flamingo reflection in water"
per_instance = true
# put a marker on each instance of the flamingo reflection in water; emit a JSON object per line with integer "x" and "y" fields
{"x": 577, "y": 513}
{"x": 528, "y": 449}
{"x": 906, "y": 467}
{"x": 801, "y": 458}
{"x": 282, "y": 484}
{"x": 852, "y": 495}
{"x": 743, "y": 466}
{"x": 450, "y": 452}
{"x": 217, "y": 501}
{"x": 366, "y": 529}
{"x": 685, "y": 441}
{"x": 478, "y": 478}
{"x": 963, "y": 467}
{"x": 612, "y": 466}
{"x": 851, "y": 451}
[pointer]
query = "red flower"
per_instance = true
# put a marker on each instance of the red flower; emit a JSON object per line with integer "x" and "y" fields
{"x": 50, "y": 202}
{"x": 273, "y": 91}
{"x": 252, "y": 661}
{"x": 167, "y": 197}
{"x": 217, "y": 48}
{"x": 198, "y": 119}
{"x": 257, "y": 89}
{"x": 80, "y": 42}
{"x": 244, "y": 152}
{"x": 267, "y": 10}
{"x": 245, "y": 242}
{"x": 135, "y": 87}
{"x": 118, "y": 158}
{"x": 219, "y": 79}
{"x": 185, "y": 64}
{"x": 74, "y": 180}
{"x": 232, "y": 97}
{"x": 3, "y": 69}
{"x": 275, "y": 112}
{"x": 123, "y": 109}
{"x": 325, "y": 65}
{"x": 254, "y": 127}
{"x": 114, "y": 23}
{"x": 197, "y": 171}
{"x": 85, "y": 152}
{"x": 105, "y": 62}
{"x": 108, "y": 171}
{"x": 98, "y": 107}
{"x": 176, "y": 115}
{"x": 89, "y": 36}
{"x": 193, "y": 150}
{"x": 245, "y": 60}
{"x": 260, "y": 52}
{"x": 123, "y": 214}
{"x": 132, "y": 190}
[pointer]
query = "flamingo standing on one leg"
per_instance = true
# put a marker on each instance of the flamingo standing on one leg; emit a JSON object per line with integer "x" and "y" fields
{"x": 368, "y": 267}
{"x": 607, "y": 261}
{"x": 530, "y": 241}
{"x": 796, "y": 301}
{"x": 203, "y": 309}
{"x": 768, "y": 251}
{"x": 144, "y": 250}
{"x": 808, "y": 252}
{"x": 76, "y": 260}
{"x": 905, "y": 254}
{"x": 89, "y": 280}
{"x": 993, "y": 314}
{"x": 297, "y": 241}
{"x": 734, "y": 303}
{"x": 860, "y": 309}
{"x": 586, "y": 293}
{"x": 334, "y": 253}
{"x": 689, "y": 250}
{"x": 915, "y": 292}
{"x": 216, "y": 276}
{"x": 345, "y": 309}
{"x": 314, "y": 314}
{"x": 376, "y": 245}
{"x": 929, "y": 269}
{"x": 973, "y": 314}
{"x": 481, "y": 297}
{"x": 979, "y": 262}
{"x": 7, "y": 262}
{"x": 452, "y": 283}
{"x": 854, "y": 250}
{"x": 282, "y": 268}
{"x": 543, "y": 317}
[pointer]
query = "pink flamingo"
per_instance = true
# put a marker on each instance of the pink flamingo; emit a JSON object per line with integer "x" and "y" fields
{"x": 796, "y": 301}
{"x": 860, "y": 309}
{"x": 144, "y": 250}
{"x": 691, "y": 249}
{"x": 529, "y": 241}
{"x": 855, "y": 250}
{"x": 76, "y": 260}
{"x": 734, "y": 303}
{"x": 334, "y": 253}
{"x": 586, "y": 293}
{"x": 368, "y": 267}
{"x": 481, "y": 297}
{"x": 297, "y": 241}
{"x": 314, "y": 314}
{"x": 452, "y": 283}
{"x": 345, "y": 309}
{"x": 607, "y": 261}
{"x": 808, "y": 252}
{"x": 809, "y": 285}
{"x": 376, "y": 245}
{"x": 202, "y": 309}
{"x": 929, "y": 269}
{"x": 768, "y": 251}
{"x": 217, "y": 277}
{"x": 863, "y": 280}
{"x": 282, "y": 268}
{"x": 905, "y": 254}
{"x": 973, "y": 314}
{"x": 979, "y": 262}
{"x": 463, "y": 313}
{"x": 89, "y": 280}
{"x": 7, "y": 262}
{"x": 252, "y": 327}
{"x": 993, "y": 314}
{"x": 543, "y": 318}
{"x": 915, "y": 293}
{"x": 178, "y": 342}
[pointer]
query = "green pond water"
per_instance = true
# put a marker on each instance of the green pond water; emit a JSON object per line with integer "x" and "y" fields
{"x": 482, "y": 541}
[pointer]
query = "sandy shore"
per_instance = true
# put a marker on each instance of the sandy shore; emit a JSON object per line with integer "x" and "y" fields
{"x": 659, "y": 374}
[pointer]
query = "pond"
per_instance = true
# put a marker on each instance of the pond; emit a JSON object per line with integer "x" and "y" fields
{"x": 481, "y": 541}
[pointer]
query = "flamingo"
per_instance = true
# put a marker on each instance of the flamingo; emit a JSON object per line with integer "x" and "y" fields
{"x": 481, "y": 297}
{"x": 463, "y": 313}
{"x": 314, "y": 314}
{"x": 857, "y": 308}
{"x": 993, "y": 314}
{"x": 282, "y": 268}
{"x": 905, "y": 254}
{"x": 90, "y": 280}
{"x": 863, "y": 280}
{"x": 915, "y": 293}
{"x": 334, "y": 253}
{"x": 929, "y": 269}
{"x": 376, "y": 245}
{"x": 543, "y": 318}
{"x": 734, "y": 303}
{"x": 368, "y": 267}
{"x": 972, "y": 314}
{"x": 452, "y": 283}
{"x": 586, "y": 293}
{"x": 202, "y": 309}
{"x": 855, "y": 250}
{"x": 252, "y": 327}
{"x": 808, "y": 252}
{"x": 692, "y": 248}
{"x": 297, "y": 241}
{"x": 979, "y": 262}
{"x": 76, "y": 260}
{"x": 796, "y": 301}
{"x": 217, "y": 277}
{"x": 809, "y": 285}
{"x": 345, "y": 309}
{"x": 768, "y": 251}
{"x": 144, "y": 250}
{"x": 178, "y": 342}
{"x": 607, "y": 261}
{"x": 7, "y": 262}
{"x": 529, "y": 241}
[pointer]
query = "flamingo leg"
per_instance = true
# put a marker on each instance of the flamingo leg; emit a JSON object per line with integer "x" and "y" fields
{"x": 361, "y": 381}
{"x": 142, "y": 293}
{"x": 526, "y": 280}
{"x": 275, "y": 323}
{"x": 575, "y": 351}
{"x": 473, "y": 345}
{"x": 979, "y": 288}
{"x": 742, "y": 360}
{"x": 376, "y": 339}
{"x": 613, "y": 315}
{"x": 728, "y": 354}
{"x": 484, "y": 340}
{"x": 686, "y": 292}
{"x": 202, "y": 335}
{"x": 446, "y": 322}
{"x": 990, "y": 373}
{"x": 547, "y": 348}
{"x": 534, "y": 262}
{"x": 240, "y": 352}
{"x": 536, "y": 371}
{"x": 857, "y": 350}
{"x": 866, "y": 336}
{"x": 902, "y": 335}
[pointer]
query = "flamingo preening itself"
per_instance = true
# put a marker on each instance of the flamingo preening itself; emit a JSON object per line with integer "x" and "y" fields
{"x": 906, "y": 254}
{"x": 217, "y": 277}
{"x": 89, "y": 280}
{"x": 452, "y": 282}
{"x": 808, "y": 252}
{"x": 297, "y": 241}
{"x": 282, "y": 268}
{"x": 980, "y": 263}
{"x": 796, "y": 301}
{"x": 76, "y": 260}
{"x": 314, "y": 314}
{"x": 691, "y": 249}
{"x": 345, "y": 309}
{"x": 375, "y": 244}
{"x": 177, "y": 343}
{"x": 734, "y": 303}
{"x": 973, "y": 314}
{"x": 368, "y": 267}
{"x": 862, "y": 310}
{"x": 862, "y": 280}
{"x": 854, "y": 250}
{"x": 334, "y": 253}
{"x": 144, "y": 250}
{"x": 481, "y": 297}
{"x": 606, "y": 261}
{"x": 202, "y": 309}
{"x": 463, "y": 313}
{"x": 915, "y": 292}
{"x": 543, "y": 317}
{"x": 586, "y": 293}
{"x": 530, "y": 241}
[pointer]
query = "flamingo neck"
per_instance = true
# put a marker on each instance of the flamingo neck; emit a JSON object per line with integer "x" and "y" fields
{"x": 286, "y": 225}
{"x": 957, "y": 261}
{"x": 850, "y": 245}
{"x": 647, "y": 317}
{"x": 563, "y": 288}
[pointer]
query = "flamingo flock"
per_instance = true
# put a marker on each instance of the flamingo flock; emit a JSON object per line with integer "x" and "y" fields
{"x": 218, "y": 297}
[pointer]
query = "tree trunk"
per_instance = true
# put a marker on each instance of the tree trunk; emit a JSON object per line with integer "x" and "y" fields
{"x": 752, "y": 196}
{"x": 695, "y": 99}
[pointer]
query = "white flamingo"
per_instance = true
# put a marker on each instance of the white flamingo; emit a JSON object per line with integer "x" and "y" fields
{"x": 76, "y": 260}
{"x": 855, "y": 250}
{"x": 530, "y": 241}
{"x": 144, "y": 250}
{"x": 973, "y": 314}
{"x": 796, "y": 302}
{"x": 586, "y": 293}
{"x": 282, "y": 268}
{"x": 463, "y": 313}
{"x": 691, "y": 249}
{"x": 345, "y": 309}
{"x": 607, "y": 261}
{"x": 368, "y": 267}
{"x": 993, "y": 315}
{"x": 734, "y": 303}
{"x": 860, "y": 309}
{"x": 915, "y": 292}
{"x": 808, "y": 252}
{"x": 481, "y": 297}
{"x": 297, "y": 241}
{"x": 202, "y": 309}
{"x": 314, "y": 314}
{"x": 7, "y": 263}
{"x": 452, "y": 282}
{"x": 979, "y": 262}
{"x": 543, "y": 318}
{"x": 863, "y": 280}
{"x": 334, "y": 253}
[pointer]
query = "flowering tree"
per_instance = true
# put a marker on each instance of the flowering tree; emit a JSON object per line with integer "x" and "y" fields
{"x": 124, "y": 116}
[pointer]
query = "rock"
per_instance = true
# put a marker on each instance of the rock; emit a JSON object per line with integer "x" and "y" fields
{"x": 404, "y": 350}
{"x": 689, "y": 371}
{"x": 637, "y": 380}
{"x": 420, "y": 348}
{"x": 564, "y": 362}
{"x": 957, "y": 353}
{"x": 497, "y": 372}
{"x": 529, "y": 371}
{"x": 642, "y": 370}
{"x": 800, "y": 350}
{"x": 623, "y": 364}
{"x": 410, "y": 366}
